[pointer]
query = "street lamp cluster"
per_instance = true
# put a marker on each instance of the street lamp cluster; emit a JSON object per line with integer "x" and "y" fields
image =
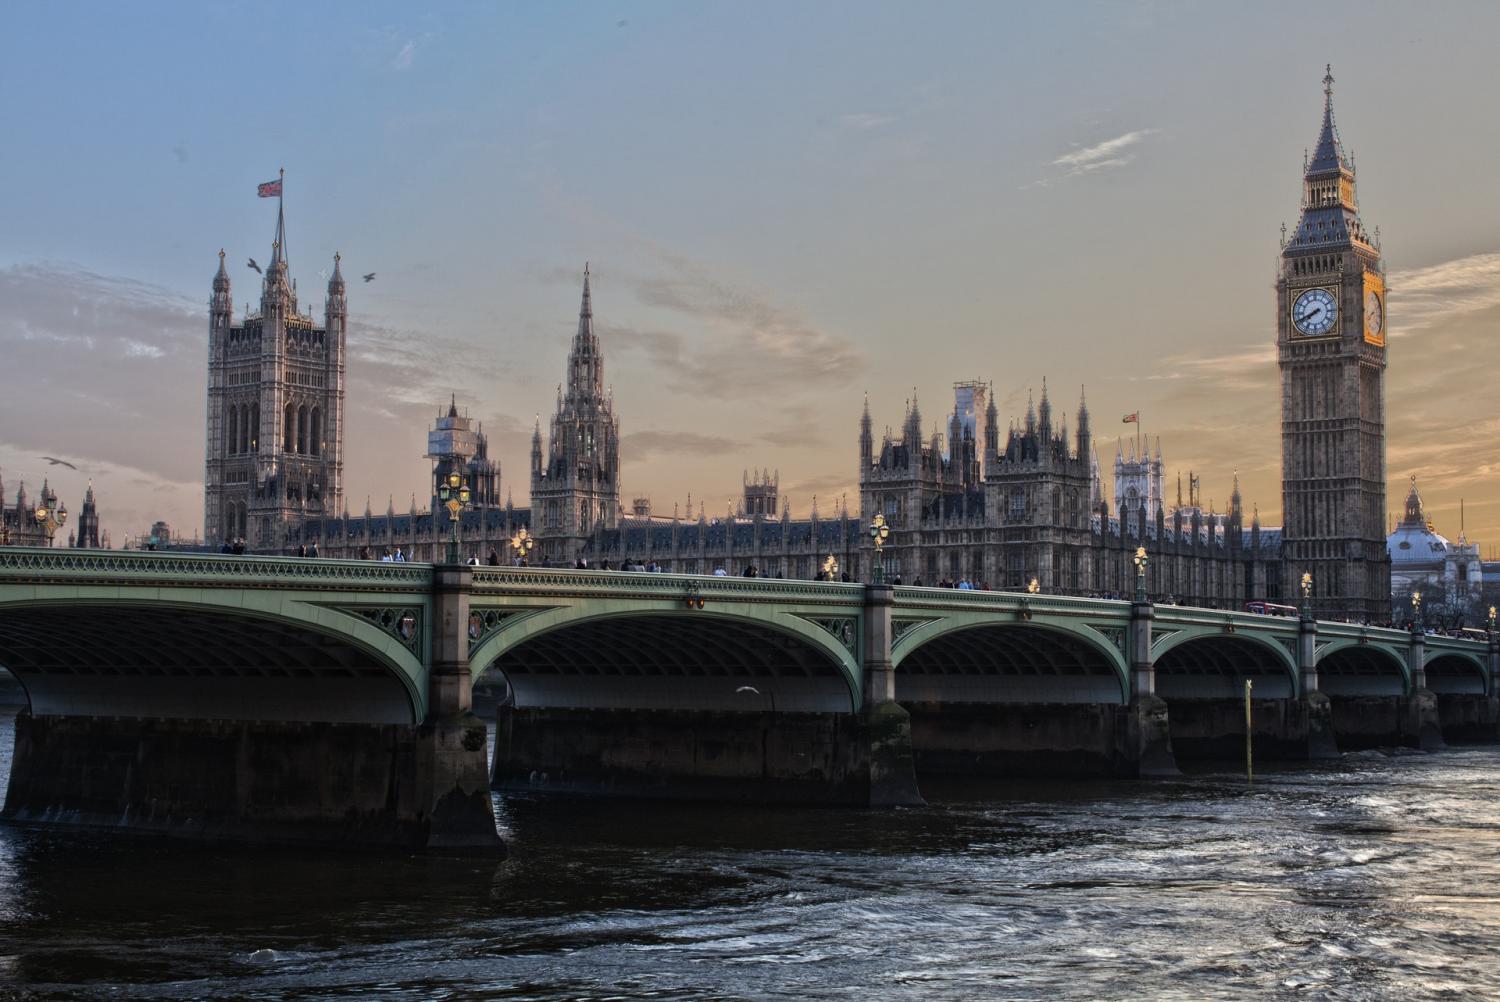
{"x": 50, "y": 519}
{"x": 453, "y": 492}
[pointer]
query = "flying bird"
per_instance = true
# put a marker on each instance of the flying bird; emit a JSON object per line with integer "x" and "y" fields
{"x": 256, "y": 267}
{"x": 60, "y": 462}
{"x": 370, "y": 277}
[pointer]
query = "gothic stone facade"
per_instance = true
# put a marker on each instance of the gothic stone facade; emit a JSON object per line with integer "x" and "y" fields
{"x": 1330, "y": 321}
{"x": 275, "y": 455}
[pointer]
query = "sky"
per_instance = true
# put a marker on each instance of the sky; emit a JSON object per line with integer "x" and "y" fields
{"x": 784, "y": 207}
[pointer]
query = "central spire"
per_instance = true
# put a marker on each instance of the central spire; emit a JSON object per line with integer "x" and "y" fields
{"x": 585, "y": 363}
{"x": 1328, "y": 155}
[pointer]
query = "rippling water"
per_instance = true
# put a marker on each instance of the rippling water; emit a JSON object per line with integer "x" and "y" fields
{"x": 1372, "y": 878}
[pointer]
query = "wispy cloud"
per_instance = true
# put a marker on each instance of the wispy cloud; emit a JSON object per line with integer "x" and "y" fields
{"x": 1106, "y": 155}
{"x": 643, "y": 444}
{"x": 864, "y": 121}
{"x": 1421, "y": 298}
{"x": 742, "y": 345}
{"x": 404, "y": 57}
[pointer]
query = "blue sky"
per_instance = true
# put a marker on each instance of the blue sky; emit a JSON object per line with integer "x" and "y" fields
{"x": 784, "y": 206}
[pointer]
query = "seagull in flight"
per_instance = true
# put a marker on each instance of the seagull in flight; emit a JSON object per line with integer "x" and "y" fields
{"x": 256, "y": 267}
{"x": 59, "y": 462}
{"x": 370, "y": 277}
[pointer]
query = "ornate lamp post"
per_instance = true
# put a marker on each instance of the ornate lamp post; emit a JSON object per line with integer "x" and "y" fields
{"x": 1307, "y": 594}
{"x": 1416, "y": 612}
{"x": 1140, "y": 560}
{"x": 1033, "y": 586}
{"x": 879, "y": 533}
{"x": 830, "y": 569}
{"x": 1492, "y": 620}
{"x": 522, "y": 544}
{"x": 454, "y": 494}
{"x": 50, "y": 519}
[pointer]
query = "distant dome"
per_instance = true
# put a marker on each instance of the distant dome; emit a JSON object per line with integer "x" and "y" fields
{"x": 1414, "y": 543}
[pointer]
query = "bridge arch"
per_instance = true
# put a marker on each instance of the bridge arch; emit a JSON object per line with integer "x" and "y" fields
{"x": 960, "y": 660}
{"x": 664, "y": 658}
{"x": 1455, "y": 673}
{"x": 1353, "y": 668}
{"x": 1202, "y": 664}
{"x": 220, "y": 655}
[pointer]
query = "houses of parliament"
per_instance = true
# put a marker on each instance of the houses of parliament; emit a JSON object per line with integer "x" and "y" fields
{"x": 997, "y": 507}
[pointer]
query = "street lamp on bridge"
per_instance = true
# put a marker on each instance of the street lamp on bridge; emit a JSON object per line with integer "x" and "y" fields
{"x": 454, "y": 494}
{"x": 1492, "y": 620}
{"x": 1416, "y": 612}
{"x": 1140, "y": 560}
{"x": 50, "y": 519}
{"x": 1033, "y": 586}
{"x": 830, "y": 569}
{"x": 522, "y": 544}
{"x": 879, "y": 533}
{"x": 1307, "y": 594}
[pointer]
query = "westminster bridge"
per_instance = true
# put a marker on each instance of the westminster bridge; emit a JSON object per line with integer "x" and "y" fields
{"x": 285, "y": 699}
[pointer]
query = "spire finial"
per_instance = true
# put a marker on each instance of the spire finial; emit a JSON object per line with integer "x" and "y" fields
{"x": 1328, "y": 83}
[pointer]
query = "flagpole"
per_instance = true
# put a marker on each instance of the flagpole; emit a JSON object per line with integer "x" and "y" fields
{"x": 281, "y": 203}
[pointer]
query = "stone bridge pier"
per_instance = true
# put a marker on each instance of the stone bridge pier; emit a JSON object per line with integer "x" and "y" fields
{"x": 710, "y": 688}
{"x": 244, "y": 699}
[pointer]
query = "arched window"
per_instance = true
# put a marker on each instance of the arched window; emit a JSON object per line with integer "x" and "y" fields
{"x": 289, "y": 432}
{"x": 232, "y": 438}
{"x": 315, "y": 433}
{"x": 302, "y": 430}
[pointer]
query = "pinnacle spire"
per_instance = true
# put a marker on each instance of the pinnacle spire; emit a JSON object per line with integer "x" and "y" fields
{"x": 1328, "y": 155}
{"x": 278, "y": 247}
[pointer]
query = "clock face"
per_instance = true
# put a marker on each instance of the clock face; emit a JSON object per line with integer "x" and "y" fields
{"x": 1314, "y": 312}
{"x": 1374, "y": 313}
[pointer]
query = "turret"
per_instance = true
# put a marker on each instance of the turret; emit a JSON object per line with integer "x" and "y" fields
{"x": 1085, "y": 444}
{"x": 337, "y": 305}
{"x": 536, "y": 449}
{"x": 991, "y": 433}
{"x": 866, "y": 439}
{"x": 1045, "y": 415}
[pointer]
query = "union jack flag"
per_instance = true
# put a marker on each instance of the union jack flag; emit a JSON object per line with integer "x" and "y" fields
{"x": 1134, "y": 418}
{"x": 271, "y": 189}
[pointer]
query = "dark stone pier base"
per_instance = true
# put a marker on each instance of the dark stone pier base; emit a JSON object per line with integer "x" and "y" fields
{"x": 816, "y": 758}
{"x": 1031, "y": 740}
{"x": 371, "y": 785}
{"x": 1468, "y": 718}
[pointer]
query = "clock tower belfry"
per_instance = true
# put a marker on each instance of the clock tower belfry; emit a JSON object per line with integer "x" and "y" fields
{"x": 1330, "y": 345}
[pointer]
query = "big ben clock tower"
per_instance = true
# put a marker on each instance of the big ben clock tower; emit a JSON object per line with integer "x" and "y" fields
{"x": 1330, "y": 342}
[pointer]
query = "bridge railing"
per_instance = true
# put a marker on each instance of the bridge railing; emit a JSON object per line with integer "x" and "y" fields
{"x": 652, "y": 584}
{"x": 42, "y": 564}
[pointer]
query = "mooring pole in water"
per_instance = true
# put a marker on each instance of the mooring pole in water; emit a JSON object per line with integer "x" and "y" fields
{"x": 1249, "y": 756}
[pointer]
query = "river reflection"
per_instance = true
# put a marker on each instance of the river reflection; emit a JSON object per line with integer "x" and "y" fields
{"x": 1375, "y": 877}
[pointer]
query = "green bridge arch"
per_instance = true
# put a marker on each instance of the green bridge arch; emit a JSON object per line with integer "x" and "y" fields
{"x": 1061, "y": 640}
{"x": 737, "y": 636}
{"x": 213, "y": 652}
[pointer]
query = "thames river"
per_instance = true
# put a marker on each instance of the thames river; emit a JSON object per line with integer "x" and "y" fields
{"x": 1376, "y": 877}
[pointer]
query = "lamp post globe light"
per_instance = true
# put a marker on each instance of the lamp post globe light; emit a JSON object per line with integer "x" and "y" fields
{"x": 1492, "y": 619}
{"x": 1033, "y": 586}
{"x": 1307, "y": 594}
{"x": 830, "y": 569}
{"x": 454, "y": 494}
{"x": 879, "y": 533}
{"x": 1416, "y": 612}
{"x": 50, "y": 519}
{"x": 522, "y": 544}
{"x": 1140, "y": 560}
